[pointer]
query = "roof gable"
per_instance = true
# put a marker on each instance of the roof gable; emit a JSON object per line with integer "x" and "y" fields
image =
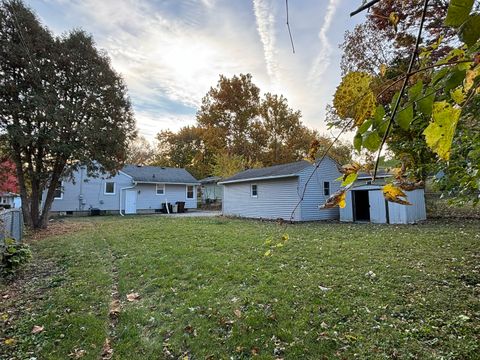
{"x": 157, "y": 174}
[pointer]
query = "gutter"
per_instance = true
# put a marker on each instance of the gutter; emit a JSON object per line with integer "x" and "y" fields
{"x": 257, "y": 179}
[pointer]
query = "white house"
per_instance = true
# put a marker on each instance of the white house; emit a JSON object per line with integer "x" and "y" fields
{"x": 134, "y": 189}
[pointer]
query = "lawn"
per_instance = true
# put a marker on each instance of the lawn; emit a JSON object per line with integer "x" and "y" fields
{"x": 207, "y": 291}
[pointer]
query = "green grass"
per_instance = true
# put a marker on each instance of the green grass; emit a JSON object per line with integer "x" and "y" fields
{"x": 193, "y": 274}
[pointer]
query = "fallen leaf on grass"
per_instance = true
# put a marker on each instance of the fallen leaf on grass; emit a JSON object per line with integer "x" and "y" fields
{"x": 37, "y": 329}
{"x": 107, "y": 351}
{"x": 133, "y": 297}
{"x": 237, "y": 313}
{"x": 255, "y": 350}
{"x": 114, "y": 308}
{"x": 77, "y": 353}
{"x": 9, "y": 341}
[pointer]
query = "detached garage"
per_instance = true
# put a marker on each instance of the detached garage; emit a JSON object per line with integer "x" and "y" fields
{"x": 292, "y": 192}
{"x": 366, "y": 203}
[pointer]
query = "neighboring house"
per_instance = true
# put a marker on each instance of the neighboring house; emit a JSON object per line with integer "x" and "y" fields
{"x": 275, "y": 192}
{"x": 134, "y": 189}
{"x": 9, "y": 200}
{"x": 365, "y": 203}
{"x": 211, "y": 191}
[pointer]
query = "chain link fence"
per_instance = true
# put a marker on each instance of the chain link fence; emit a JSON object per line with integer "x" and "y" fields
{"x": 11, "y": 225}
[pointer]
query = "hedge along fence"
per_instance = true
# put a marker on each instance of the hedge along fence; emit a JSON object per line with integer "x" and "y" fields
{"x": 11, "y": 225}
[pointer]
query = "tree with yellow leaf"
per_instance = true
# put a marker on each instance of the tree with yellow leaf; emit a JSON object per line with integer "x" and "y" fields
{"x": 426, "y": 112}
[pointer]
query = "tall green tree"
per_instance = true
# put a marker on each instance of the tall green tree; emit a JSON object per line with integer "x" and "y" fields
{"x": 184, "y": 149}
{"x": 228, "y": 116}
{"x": 61, "y": 106}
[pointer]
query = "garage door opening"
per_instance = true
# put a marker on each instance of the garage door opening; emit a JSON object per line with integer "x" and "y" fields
{"x": 361, "y": 205}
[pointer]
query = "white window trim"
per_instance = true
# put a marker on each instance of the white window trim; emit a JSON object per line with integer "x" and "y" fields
{"x": 156, "y": 189}
{"x": 105, "y": 188}
{"x": 61, "y": 192}
{"x": 251, "y": 190}
{"x": 186, "y": 192}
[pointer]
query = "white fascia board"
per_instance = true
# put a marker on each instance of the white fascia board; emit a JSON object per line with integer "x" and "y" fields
{"x": 258, "y": 179}
{"x": 166, "y": 183}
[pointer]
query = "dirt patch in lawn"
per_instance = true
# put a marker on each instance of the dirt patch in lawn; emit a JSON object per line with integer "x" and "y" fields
{"x": 58, "y": 227}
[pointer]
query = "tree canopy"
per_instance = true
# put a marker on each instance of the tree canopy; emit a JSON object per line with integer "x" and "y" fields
{"x": 61, "y": 106}
{"x": 238, "y": 129}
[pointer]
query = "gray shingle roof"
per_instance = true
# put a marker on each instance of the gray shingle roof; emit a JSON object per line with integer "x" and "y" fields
{"x": 157, "y": 174}
{"x": 283, "y": 170}
{"x": 210, "y": 179}
{"x": 381, "y": 173}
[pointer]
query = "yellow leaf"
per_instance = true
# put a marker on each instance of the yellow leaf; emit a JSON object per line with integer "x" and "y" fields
{"x": 395, "y": 194}
{"x": 470, "y": 77}
{"x": 9, "y": 341}
{"x": 354, "y": 99}
{"x": 342, "y": 201}
{"x": 458, "y": 95}
{"x": 268, "y": 241}
{"x": 394, "y": 19}
{"x": 285, "y": 237}
{"x": 268, "y": 253}
{"x": 439, "y": 133}
{"x": 383, "y": 69}
{"x": 279, "y": 245}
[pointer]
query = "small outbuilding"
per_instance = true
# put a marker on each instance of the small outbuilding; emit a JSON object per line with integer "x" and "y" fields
{"x": 211, "y": 191}
{"x": 292, "y": 192}
{"x": 366, "y": 203}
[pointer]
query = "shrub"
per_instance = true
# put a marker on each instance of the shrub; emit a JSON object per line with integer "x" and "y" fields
{"x": 13, "y": 256}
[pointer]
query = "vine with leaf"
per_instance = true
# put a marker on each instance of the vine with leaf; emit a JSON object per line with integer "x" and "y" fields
{"x": 432, "y": 119}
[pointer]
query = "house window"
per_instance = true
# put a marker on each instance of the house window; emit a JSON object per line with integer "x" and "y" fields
{"x": 58, "y": 193}
{"x": 189, "y": 191}
{"x": 109, "y": 188}
{"x": 160, "y": 189}
{"x": 254, "y": 190}
{"x": 326, "y": 188}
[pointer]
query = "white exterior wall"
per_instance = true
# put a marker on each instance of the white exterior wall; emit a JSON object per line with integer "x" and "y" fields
{"x": 346, "y": 214}
{"x": 88, "y": 192}
{"x": 314, "y": 195}
{"x": 148, "y": 199}
{"x": 276, "y": 199}
{"x": 397, "y": 213}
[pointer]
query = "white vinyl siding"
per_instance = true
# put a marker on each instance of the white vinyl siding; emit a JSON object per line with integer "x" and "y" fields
{"x": 276, "y": 199}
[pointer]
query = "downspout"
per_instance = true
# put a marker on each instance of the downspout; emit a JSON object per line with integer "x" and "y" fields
{"x": 120, "y": 199}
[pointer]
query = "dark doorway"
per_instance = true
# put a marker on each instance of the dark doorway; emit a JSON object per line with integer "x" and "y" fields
{"x": 361, "y": 205}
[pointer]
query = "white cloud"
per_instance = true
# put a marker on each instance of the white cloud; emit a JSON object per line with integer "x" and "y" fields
{"x": 322, "y": 61}
{"x": 264, "y": 16}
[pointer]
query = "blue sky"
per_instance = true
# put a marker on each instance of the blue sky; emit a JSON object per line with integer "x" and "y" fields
{"x": 170, "y": 52}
